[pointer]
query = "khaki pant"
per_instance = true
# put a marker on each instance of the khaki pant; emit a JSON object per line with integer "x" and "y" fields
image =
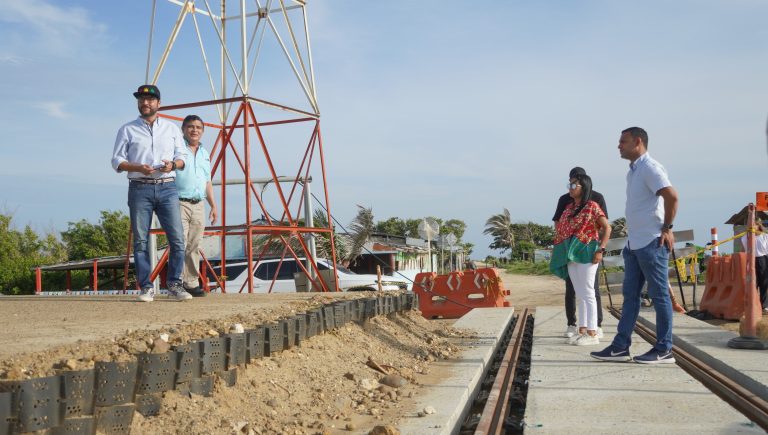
{"x": 193, "y": 222}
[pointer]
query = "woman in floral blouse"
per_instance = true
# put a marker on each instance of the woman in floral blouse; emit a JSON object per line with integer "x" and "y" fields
{"x": 580, "y": 238}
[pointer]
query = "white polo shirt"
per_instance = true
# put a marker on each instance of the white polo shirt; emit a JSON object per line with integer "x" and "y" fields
{"x": 761, "y": 244}
{"x": 644, "y": 209}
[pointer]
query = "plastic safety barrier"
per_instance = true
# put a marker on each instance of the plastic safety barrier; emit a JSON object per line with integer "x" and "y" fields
{"x": 725, "y": 286}
{"x": 453, "y": 295}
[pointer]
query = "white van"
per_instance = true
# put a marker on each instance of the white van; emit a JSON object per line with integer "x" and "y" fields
{"x": 264, "y": 271}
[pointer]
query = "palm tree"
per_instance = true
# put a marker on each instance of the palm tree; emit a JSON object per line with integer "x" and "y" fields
{"x": 360, "y": 230}
{"x": 499, "y": 226}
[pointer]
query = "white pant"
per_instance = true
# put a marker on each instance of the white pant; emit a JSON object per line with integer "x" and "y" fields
{"x": 583, "y": 279}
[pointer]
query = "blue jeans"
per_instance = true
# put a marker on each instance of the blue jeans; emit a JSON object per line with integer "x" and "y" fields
{"x": 650, "y": 264}
{"x": 163, "y": 200}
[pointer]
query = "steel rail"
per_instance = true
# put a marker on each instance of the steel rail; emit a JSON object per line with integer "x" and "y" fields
{"x": 748, "y": 403}
{"x": 495, "y": 410}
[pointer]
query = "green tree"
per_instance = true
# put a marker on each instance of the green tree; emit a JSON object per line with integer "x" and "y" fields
{"x": 499, "y": 226}
{"x": 455, "y": 227}
{"x": 21, "y": 252}
{"x": 85, "y": 240}
{"x": 393, "y": 226}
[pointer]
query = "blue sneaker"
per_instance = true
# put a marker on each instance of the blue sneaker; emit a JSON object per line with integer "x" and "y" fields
{"x": 611, "y": 353}
{"x": 655, "y": 356}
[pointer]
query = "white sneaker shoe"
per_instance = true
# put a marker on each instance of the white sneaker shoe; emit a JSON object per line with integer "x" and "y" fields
{"x": 573, "y": 339}
{"x": 147, "y": 295}
{"x": 587, "y": 340}
{"x": 599, "y": 333}
{"x": 176, "y": 291}
{"x": 571, "y": 331}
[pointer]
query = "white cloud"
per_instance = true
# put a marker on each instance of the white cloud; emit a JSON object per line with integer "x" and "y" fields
{"x": 14, "y": 60}
{"x": 54, "y": 109}
{"x": 55, "y": 29}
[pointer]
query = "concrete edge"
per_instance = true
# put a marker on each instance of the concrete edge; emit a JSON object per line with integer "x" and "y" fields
{"x": 452, "y": 395}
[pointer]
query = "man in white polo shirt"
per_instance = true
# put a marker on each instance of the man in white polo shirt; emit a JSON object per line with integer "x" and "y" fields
{"x": 651, "y": 207}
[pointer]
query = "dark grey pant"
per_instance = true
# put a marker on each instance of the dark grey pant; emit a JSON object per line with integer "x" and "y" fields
{"x": 570, "y": 301}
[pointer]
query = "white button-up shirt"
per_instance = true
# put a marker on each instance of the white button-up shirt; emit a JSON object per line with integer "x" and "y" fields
{"x": 645, "y": 209}
{"x": 138, "y": 142}
{"x": 761, "y": 244}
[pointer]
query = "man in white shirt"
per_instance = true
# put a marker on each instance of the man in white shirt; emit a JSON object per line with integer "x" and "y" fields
{"x": 150, "y": 149}
{"x": 650, "y": 210}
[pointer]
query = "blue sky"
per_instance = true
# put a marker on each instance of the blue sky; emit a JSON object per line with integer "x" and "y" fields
{"x": 449, "y": 109}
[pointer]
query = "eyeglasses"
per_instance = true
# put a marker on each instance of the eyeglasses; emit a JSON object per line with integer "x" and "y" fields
{"x": 572, "y": 185}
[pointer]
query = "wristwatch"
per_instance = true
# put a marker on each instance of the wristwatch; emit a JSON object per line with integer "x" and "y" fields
{"x": 666, "y": 227}
{"x": 173, "y": 167}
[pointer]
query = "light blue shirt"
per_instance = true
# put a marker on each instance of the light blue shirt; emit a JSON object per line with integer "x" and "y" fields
{"x": 196, "y": 174}
{"x": 138, "y": 142}
{"x": 645, "y": 209}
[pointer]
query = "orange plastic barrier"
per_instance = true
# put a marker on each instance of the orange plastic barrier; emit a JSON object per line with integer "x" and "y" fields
{"x": 453, "y": 295}
{"x": 725, "y": 285}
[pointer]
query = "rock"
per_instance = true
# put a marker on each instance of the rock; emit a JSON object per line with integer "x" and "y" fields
{"x": 421, "y": 414}
{"x": 350, "y": 376}
{"x": 429, "y": 410}
{"x": 160, "y": 346}
{"x": 137, "y": 347}
{"x": 374, "y": 411}
{"x": 237, "y": 329}
{"x": 350, "y": 427}
{"x": 165, "y": 337}
{"x": 272, "y": 402}
{"x": 383, "y": 389}
{"x": 15, "y": 373}
{"x": 394, "y": 381}
{"x": 70, "y": 364}
{"x": 368, "y": 384}
{"x": 213, "y": 333}
{"x": 384, "y": 430}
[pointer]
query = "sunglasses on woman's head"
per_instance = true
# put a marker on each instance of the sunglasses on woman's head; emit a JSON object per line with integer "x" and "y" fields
{"x": 572, "y": 185}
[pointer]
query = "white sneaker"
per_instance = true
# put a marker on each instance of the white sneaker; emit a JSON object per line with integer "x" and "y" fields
{"x": 573, "y": 339}
{"x": 176, "y": 291}
{"x": 571, "y": 331}
{"x": 587, "y": 340}
{"x": 147, "y": 295}
{"x": 599, "y": 333}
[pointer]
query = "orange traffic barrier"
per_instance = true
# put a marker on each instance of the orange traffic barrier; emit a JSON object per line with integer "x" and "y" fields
{"x": 726, "y": 284}
{"x": 453, "y": 295}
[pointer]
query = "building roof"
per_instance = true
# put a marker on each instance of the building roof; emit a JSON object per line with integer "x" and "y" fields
{"x": 740, "y": 218}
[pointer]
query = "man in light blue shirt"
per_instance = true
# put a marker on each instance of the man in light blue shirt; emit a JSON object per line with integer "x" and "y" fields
{"x": 194, "y": 186}
{"x": 651, "y": 207}
{"x": 151, "y": 149}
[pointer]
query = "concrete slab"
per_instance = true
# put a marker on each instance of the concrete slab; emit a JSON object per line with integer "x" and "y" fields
{"x": 451, "y": 393}
{"x": 710, "y": 344}
{"x": 570, "y": 392}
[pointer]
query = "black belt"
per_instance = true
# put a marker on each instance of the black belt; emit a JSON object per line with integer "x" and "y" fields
{"x": 190, "y": 200}
{"x": 153, "y": 180}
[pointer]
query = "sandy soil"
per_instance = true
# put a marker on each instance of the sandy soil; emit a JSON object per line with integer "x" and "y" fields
{"x": 323, "y": 386}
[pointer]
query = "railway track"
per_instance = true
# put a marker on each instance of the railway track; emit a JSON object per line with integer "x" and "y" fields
{"x": 500, "y": 405}
{"x": 752, "y": 406}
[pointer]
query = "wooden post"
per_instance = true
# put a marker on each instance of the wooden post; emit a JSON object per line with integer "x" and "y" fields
{"x": 378, "y": 274}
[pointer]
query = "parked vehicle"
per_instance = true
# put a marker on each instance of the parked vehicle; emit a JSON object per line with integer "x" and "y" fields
{"x": 264, "y": 271}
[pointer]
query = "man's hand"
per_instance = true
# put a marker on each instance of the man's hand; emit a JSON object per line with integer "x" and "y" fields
{"x": 212, "y": 215}
{"x": 667, "y": 238}
{"x": 146, "y": 169}
{"x": 168, "y": 166}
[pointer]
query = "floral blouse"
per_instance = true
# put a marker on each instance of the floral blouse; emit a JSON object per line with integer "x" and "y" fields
{"x": 583, "y": 226}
